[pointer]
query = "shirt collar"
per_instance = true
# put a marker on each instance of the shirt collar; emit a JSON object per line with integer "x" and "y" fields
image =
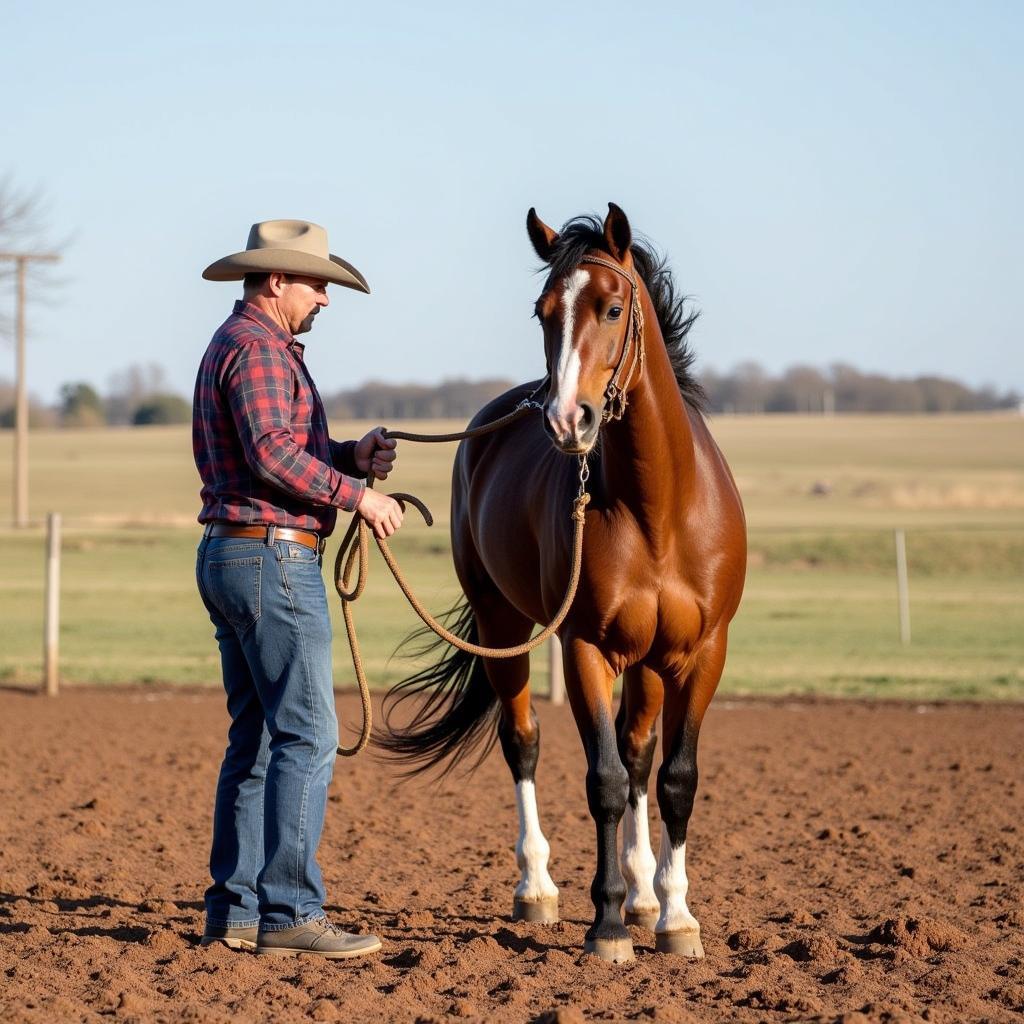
{"x": 254, "y": 313}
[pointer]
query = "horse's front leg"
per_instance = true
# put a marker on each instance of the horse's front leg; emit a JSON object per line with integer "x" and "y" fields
{"x": 642, "y": 693}
{"x": 589, "y": 680}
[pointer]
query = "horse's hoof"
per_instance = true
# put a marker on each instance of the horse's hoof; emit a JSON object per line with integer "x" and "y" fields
{"x": 543, "y": 911}
{"x": 616, "y": 951}
{"x": 679, "y": 944}
{"x": 642, "y": 918}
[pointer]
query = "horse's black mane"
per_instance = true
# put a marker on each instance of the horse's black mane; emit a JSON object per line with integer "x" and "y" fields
{"x": 582, "y": 234}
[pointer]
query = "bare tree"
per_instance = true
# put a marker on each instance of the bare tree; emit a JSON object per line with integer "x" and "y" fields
{"x": 23, "y": 228}
{"x": 129, "y": 388}
{"x": 21, "y": 219}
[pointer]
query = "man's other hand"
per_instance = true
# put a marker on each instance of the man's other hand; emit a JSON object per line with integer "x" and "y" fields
{"x": 376, "y": 453}
{"x": 384, "y": 514}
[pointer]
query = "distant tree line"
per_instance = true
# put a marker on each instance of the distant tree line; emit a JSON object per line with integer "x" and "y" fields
{"x": 139, "y": 396}
{"x": 375, "y": 400}
{"x": 748, "y": 388}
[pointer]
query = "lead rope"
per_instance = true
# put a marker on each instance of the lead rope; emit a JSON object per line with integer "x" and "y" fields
{"x": 355, "y": 544}
{"x": 355, "y": 548}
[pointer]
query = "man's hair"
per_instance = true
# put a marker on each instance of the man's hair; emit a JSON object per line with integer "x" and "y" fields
{"x": 252, "y": 283}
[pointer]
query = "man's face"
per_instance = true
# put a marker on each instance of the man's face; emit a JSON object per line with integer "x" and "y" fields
{"x": 300, "y": 300}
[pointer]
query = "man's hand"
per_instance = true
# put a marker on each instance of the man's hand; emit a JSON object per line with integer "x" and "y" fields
{"x": 384, "y": 514}
{"x": 376, "y": 453}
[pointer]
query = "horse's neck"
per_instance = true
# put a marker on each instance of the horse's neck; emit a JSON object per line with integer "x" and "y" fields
{"x": 647, "y": 457}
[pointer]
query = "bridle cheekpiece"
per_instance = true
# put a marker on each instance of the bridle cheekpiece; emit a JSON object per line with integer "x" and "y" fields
{"x": 615, "y": 394}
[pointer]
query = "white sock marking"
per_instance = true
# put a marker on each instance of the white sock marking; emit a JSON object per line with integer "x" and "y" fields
{"x": 638, "y": 860}
{"x": 671, "y": 885}
{"x": 532, "y": 849}
{"x": 568, "y": 368}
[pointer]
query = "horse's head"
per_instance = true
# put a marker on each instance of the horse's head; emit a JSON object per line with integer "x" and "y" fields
{"x": 590, "y": 313}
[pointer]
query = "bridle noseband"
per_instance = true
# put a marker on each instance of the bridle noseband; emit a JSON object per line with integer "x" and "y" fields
{"x": 615, "y": 394}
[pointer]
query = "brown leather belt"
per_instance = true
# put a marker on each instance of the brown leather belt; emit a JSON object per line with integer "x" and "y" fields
{"x": 304, "y": 537}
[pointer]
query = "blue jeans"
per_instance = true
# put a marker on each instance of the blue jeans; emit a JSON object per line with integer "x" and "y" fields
{"x": 269, "y": 608}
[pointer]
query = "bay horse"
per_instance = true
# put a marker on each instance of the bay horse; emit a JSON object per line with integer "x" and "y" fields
{"x": 664, "y": 557}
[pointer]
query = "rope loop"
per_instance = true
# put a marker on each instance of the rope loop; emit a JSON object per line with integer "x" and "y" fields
{"x": 354, "y": 549}
{"x": 355, "y": 544}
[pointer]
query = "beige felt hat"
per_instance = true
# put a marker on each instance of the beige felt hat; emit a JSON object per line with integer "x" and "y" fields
{"x": 290, "y": 247}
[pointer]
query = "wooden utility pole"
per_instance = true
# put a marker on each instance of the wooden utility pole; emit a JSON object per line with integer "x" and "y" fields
{"x": 21, "y": 259}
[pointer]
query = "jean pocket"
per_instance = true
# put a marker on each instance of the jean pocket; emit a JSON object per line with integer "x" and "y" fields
{"x": 233, "y": 585}
{"x": 289, "y": 552}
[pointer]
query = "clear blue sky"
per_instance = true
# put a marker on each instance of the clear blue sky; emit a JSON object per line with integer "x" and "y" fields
{"x": 831, "y": 181}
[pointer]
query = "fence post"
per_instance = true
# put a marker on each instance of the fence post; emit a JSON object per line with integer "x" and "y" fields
{"x": 51, "y": 627}
{"x": 555, "y": 672}
{"x": 902, "y": 587}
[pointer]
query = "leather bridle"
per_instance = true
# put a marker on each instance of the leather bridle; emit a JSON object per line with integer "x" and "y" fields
{"x": 615, "y": 394}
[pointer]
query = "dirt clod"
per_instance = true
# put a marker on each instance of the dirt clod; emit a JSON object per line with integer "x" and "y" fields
{"x": 919, "y": 938}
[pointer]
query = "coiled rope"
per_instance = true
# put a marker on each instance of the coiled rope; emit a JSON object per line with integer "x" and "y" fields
{"x": 354, "y": 552}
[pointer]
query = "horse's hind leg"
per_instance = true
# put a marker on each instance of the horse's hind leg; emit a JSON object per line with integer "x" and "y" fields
{"x": 641, "y": 702}
{"x": 536, "y": 895}
{"x": 589, "y": 680}
{"x": 686, "y": 700}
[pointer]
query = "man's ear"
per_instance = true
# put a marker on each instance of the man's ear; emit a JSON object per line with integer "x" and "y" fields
{"x": 276, "y": 282}
{"x": 617, "y": 234}
{"x": 544, "y": 239}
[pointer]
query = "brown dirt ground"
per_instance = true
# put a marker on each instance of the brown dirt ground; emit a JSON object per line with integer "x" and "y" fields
{"x": 852, "y": 862}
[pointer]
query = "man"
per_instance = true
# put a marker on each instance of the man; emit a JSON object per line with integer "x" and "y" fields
{"x": 273, "y": 481}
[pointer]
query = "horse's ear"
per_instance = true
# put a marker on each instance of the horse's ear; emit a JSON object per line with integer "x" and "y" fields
{"x": 543, "y": 238}
{"x": 617, "y": 234}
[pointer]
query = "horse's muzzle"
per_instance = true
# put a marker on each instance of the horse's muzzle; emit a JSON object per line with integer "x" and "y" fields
{"x": 576, "y": 433}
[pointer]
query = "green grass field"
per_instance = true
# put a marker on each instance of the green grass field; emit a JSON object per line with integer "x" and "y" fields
{"x": 819, "y": 615}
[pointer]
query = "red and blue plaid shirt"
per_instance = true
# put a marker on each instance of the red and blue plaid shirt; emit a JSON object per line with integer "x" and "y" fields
{"x": 259, "y": 432}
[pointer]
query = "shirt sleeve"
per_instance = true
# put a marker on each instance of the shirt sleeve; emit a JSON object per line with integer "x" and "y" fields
{"x": 258, "y": 388}
{"x": 343, "y": 457}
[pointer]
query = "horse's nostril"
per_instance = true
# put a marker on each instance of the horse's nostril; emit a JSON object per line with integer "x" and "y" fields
{"x": 587, "y": 418}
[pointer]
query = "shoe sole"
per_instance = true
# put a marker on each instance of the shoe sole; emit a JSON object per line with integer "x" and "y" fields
{"x": 207, "y": 940}
{"x": 332, "y": 954}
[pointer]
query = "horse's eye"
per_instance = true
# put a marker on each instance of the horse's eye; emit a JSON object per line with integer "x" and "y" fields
{"x": 614, "y": 313}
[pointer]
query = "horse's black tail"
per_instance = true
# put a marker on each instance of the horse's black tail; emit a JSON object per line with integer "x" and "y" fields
{"x": 458, "y": 712}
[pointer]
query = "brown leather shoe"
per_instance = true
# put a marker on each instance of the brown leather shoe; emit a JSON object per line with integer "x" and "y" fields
{"x": 316, "y": 938}
{"x": 233, "y": 938}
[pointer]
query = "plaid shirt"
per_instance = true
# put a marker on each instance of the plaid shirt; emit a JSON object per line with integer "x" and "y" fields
{"x": 259, "y": 432}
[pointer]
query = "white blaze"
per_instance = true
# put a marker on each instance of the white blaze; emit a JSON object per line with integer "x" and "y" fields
{"x": 568, "y": 368}
{"x": 532, "y": 849}
{"x": 670, "y": 883}
{"x": 637, "y": 859}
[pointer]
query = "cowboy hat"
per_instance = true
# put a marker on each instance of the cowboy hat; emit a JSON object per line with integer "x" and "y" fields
{"x": 289, "y": 247}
